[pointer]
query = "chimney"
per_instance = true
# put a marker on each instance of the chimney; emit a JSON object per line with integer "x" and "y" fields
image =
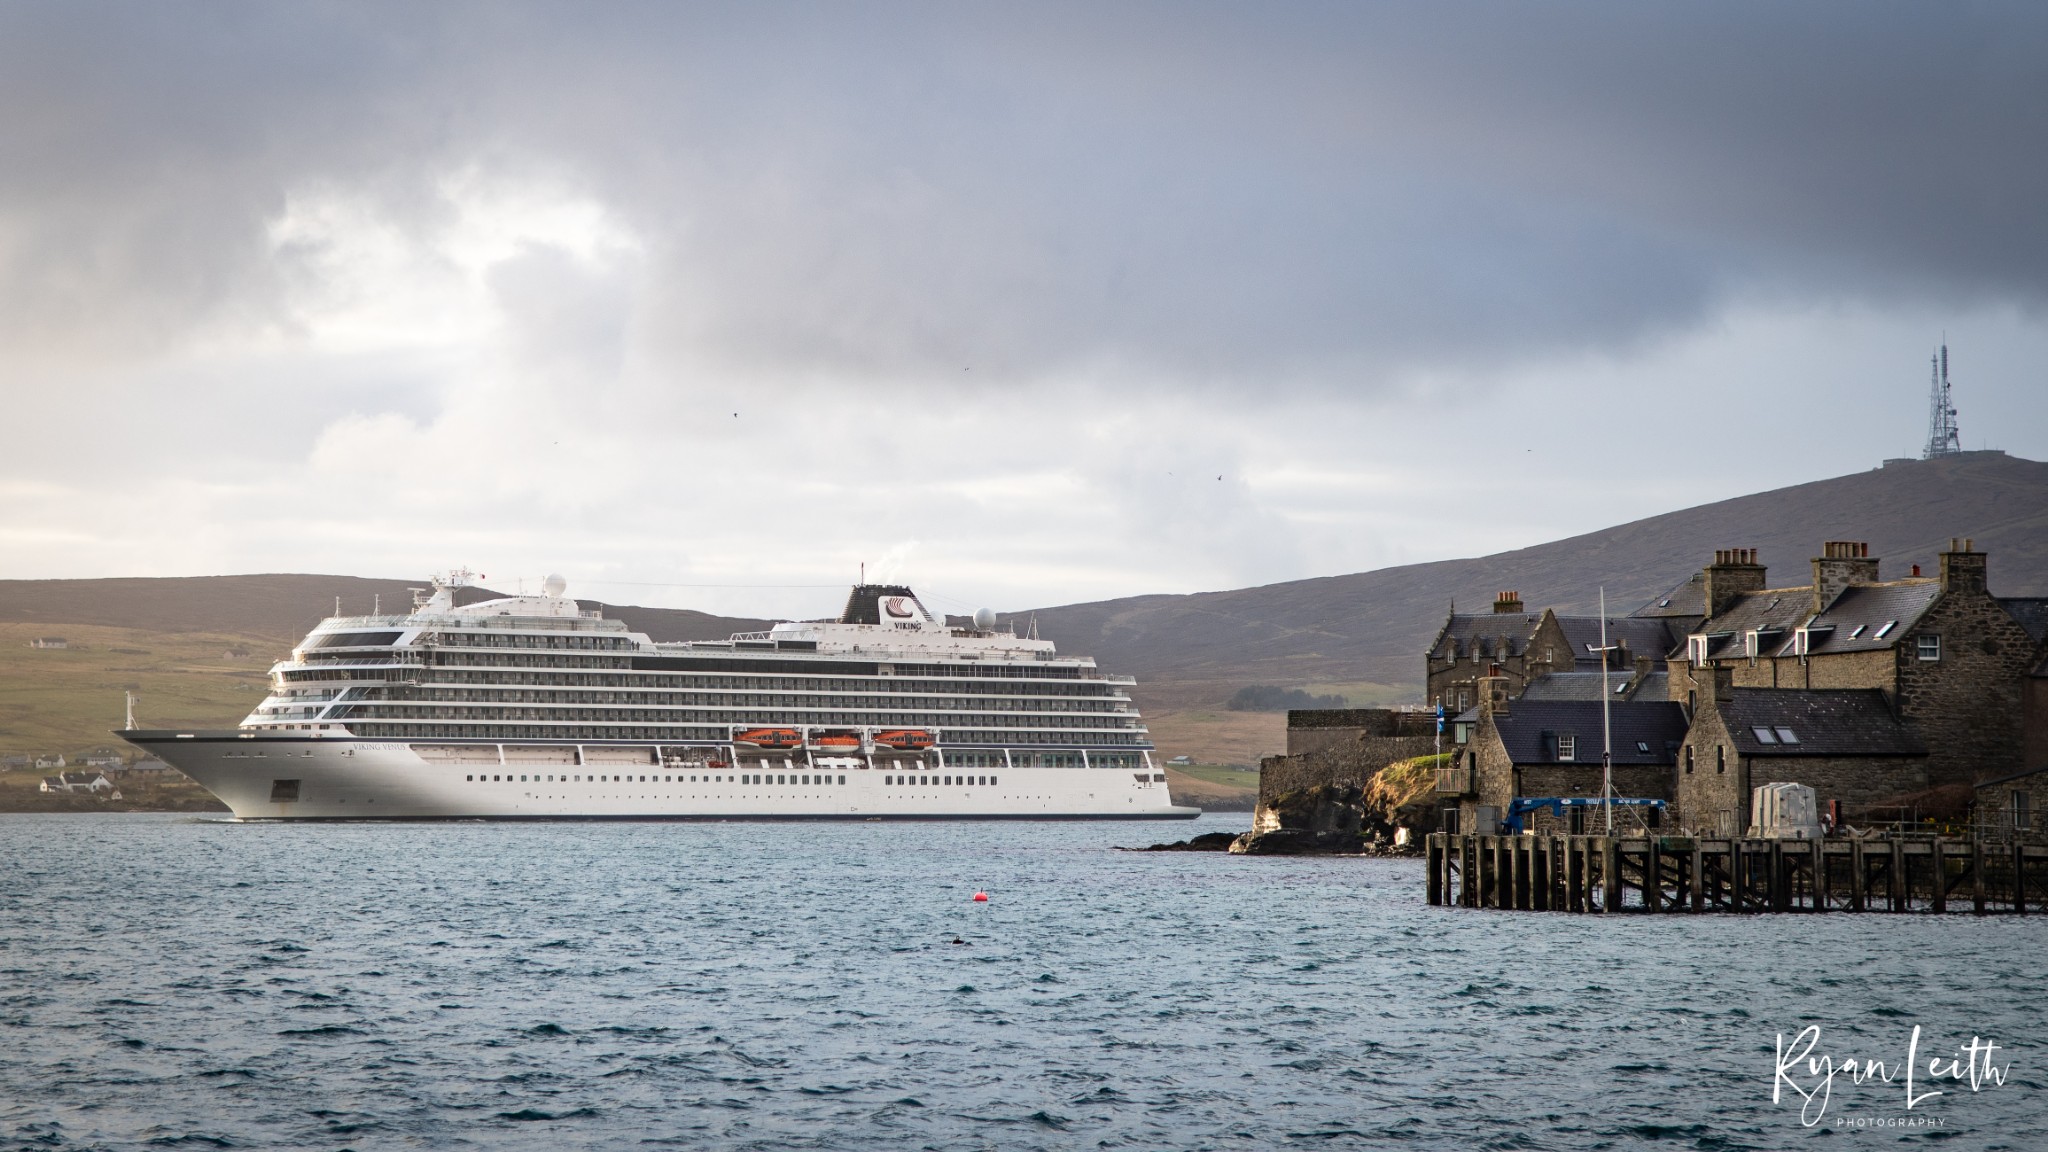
{"x": 1505, "y": 602}
{"x": 1733, "y": 572}
{"x": 1962, "y": 568}
{"x": 1493, "y": 693}
{"x": 1840, "y": 564}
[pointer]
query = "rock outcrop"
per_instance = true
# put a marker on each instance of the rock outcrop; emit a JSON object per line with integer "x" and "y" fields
{"x": 1324, "y": 819}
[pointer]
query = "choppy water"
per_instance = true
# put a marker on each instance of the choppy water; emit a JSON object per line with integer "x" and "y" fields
{"x": 166, "y": 981}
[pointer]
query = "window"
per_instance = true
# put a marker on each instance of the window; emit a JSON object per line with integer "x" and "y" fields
{"x": 2022, "y": 807}
{"x": 1567, "y": 747}
{"x": 1696, "y": 649}
{"x": 842, "y": 779}
{"x": 1688, "y": 759}
{"x": 1763, "y": 735}
{"x": 1643, "y": 746}
{"x": 1859, "y": 631}
{"x": 1720, "y": 757}
{"x": 1930, "y": 648}
{"x": 1888, "y": 626}
{"x": 1786, "y": 735}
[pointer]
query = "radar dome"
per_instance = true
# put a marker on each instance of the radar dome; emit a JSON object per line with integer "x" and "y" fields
{"x": 554, "y": 585}
{"x": 985, "y": 618}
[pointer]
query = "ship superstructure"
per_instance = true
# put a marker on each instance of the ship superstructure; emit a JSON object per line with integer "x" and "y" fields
{"x": 534, "y": 707}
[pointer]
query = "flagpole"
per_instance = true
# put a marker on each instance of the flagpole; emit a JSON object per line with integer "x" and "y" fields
{"x": 1606, "y": 726}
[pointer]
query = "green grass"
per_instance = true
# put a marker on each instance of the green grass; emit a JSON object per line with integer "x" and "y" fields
{"x": 71, "y": 701}
{"x": 1227, "y": 775}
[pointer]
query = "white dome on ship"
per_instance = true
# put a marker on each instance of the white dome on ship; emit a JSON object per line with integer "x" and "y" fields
{"x": 985, "y": 618}
{"x": 554, "y": 585}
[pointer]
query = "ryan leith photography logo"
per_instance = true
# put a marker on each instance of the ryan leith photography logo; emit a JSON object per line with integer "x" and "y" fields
{"x": 1808, "y": 1074}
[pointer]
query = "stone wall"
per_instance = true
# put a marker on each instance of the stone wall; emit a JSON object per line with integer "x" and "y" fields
{"x": 1968, "y": 706}
{"x": 2036, "y": 722}
{"x": 1340, "y": 765}
{"x": 1311, "y": 730}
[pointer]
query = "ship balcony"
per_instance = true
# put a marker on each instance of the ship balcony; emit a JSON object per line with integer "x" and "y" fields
{"x": 1454, "y": 781}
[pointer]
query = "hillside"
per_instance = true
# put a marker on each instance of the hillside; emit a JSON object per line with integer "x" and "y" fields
{"x": 1370, "y": 628}
{"x": 281, "y": 607}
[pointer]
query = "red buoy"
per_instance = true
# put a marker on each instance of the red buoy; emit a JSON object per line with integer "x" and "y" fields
{"x": 981, "y": 897}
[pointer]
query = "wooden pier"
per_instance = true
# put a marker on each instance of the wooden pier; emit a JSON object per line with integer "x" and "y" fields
{"x": 1911, "y": 873}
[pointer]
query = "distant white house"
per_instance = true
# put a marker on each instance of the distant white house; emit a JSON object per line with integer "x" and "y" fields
{"x": 45, "y": 763}
{"x": 49, "y": 642}
{"x": 78, "y": 782}
{"x": 1179, "y": 760}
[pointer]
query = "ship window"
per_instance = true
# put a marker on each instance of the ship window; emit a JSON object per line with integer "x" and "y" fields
{"x": 494, "y": 779}
{"x": 991, "y": 781}
{"x": 842, "y": 779}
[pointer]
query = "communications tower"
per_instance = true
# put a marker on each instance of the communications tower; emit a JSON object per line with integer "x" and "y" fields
{"x": 1943, "y": 438}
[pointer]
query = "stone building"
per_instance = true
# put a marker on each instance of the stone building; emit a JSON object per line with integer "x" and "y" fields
{"x": 1343, "y": 747}
{"x": 1544, "y": 748}
{"x": 1523, "y": 646}
{"x": 1952, "y": 662}
{"x": 1847, "y": 744}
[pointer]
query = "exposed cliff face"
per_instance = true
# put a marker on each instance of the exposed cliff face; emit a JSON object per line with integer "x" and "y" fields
{"x": 1323, "y": 819}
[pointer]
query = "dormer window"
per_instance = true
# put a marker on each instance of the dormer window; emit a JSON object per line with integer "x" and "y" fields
{"x": 1696, "y": 650}
{"x": 1567, "y": 747}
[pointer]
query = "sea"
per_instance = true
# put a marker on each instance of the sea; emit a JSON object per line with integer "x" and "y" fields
{"x": 171, "y": 981}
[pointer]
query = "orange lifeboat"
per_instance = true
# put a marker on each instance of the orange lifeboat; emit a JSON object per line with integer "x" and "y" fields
{"x": 836, "y": 742}
{"x": 769, "y": 738}
{"x": 905, "y": 740}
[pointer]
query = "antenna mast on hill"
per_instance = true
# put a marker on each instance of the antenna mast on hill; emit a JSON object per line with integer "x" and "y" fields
{"x": 1943, "y": 437}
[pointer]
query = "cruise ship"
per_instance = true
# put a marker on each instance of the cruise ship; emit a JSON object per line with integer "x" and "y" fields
{"x": 535, "y": 708}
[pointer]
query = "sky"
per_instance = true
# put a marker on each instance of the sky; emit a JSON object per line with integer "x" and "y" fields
{"x": 711, "y": 305}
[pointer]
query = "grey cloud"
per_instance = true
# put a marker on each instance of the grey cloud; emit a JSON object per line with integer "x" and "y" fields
{"x": 1310, "y": 195}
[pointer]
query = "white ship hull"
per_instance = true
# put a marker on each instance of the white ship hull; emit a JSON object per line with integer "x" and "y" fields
{"x": 331, "y": 777}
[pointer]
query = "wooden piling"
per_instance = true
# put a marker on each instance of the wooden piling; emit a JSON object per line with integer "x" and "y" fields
{"x": 1858, "y": 877}
{"x": 1610, "y": 874}
{"x": 1977, "y": 892}
{"x": 1896, "y": 882}
{"x": 1819, "y": 876}
{"x": 2019, "y": 879}
{"x": 1940, "y": 875}
{"x": 1693, "y": 876}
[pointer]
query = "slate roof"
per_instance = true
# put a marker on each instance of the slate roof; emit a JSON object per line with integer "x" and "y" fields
{"x": 1655, "y": 687}
{"x": 1641, "y": 636}
{"x": 1575, "y": 685}
{"x": 1825, "y": 721}
{"x": 1782, "y": 609}
{"x": 1644, "y": 732}
{"x": 1689, "y": 598}
{"x": 1871, "y": 607}
{"x": 1489, "y": 630}
{"x": 2031, "y": 612}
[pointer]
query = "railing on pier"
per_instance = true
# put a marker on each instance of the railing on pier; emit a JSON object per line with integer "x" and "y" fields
{"x": 1906, "y": 873}
{"x": 1454, "y": 781}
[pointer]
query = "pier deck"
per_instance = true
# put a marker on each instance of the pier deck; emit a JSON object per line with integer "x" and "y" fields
{"x": 1911, "y": 873}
